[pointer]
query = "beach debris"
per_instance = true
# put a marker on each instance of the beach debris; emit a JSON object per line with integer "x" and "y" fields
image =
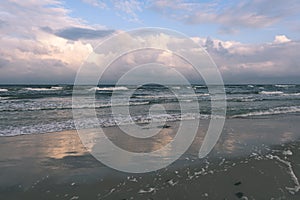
{"x": 238, "y": 183}
{"x": 164, "y": 126}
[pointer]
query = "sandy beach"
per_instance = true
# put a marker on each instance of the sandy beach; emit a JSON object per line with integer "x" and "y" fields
{"x": 254, "y": 159}
{"x": 149, "y": 100}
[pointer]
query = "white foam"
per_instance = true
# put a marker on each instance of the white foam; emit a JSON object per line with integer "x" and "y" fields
{"x": 271, "y": 92}
{"x": 287, "y": 153}
{"x": 284, "y": 86}
{"x": 56, "y": 88}
{"x": 108, "y": 88}
{"x": 138, "y": 103}
{"x": 141, "y": 191}
{"x": 291, "y": 94}
{"x": 44, "y": 89}
{"x": 3, "y": 90}
{"x": 172, "y": 182}
{"x": 90, "y": 123}
{"x": 200, "y": 86}
{"x": 172, "y": 96}
{"x": 242, "y": 99}
{"x": 290, "y": 171}
{"x": 118, "y": 104}
{"x": 272, "y": 111}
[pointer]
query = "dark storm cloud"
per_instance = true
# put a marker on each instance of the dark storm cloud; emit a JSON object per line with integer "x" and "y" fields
{"x": 75, "y": 33}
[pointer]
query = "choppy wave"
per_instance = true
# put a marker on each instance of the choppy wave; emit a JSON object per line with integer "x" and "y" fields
{"x": 271, "y": 92}
{"x": 56, "y": 107}
{"x": 108, "y": 88}
{"x": 200, "y": 86}
{"x": 243, "y": 99}
{"x": 56, "y": 88}
{"x": 44, "y": 89}
{"x": 272, "y": 111}
{"x": 172, "y": 96}
{"x": 280, "y": 93}
{"x": 37, "y": 128}
{"x": 3, "y": 90}
{"x": 284, "y": 86}
{"x": 292, "y": 94}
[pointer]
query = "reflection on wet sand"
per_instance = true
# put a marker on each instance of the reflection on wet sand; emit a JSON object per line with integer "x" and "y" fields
{"x": 62, "y": 145}
{"x": 114, "y": 147}
{"x": 57, "y": 164}
{"x": 132, "y": 144}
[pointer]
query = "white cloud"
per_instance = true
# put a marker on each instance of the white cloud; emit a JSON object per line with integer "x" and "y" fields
{"x": 229, "y": 15}
{"x": 96, "y": 3}
{"x": 240, "y": 62}
{"x": 30, "y": 46}
{"x": 281, "y": 39}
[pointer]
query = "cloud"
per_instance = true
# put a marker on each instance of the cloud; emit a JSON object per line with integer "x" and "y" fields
{"x": 45, "y": 44}
{"x": 126, "y": 9}
{"x": 3, "y": 62}
{"x": 255, "y": 63}
{"x": 237, "y": 62}
{"x": 229, "y": 15}
{"x": 96, "y": 3}
{"x": 32, "y": 51}
{"x": 129, "y": 7}
{"x": 75, "y": 33}
{"x": 281, "y": 39}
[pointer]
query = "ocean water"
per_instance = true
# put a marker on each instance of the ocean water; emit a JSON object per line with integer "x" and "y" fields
{"x": 30, "y": 109}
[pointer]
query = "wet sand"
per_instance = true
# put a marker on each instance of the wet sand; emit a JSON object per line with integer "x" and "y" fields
{"x": 256, "y": 158}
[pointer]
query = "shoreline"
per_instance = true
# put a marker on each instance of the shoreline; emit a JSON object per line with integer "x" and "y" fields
{"x": 205, "y": 120}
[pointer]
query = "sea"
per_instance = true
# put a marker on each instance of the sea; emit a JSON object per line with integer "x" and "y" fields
{"x": 35, "y": 109}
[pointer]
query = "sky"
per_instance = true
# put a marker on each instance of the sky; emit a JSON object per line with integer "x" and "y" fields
{"x": 251, "y": 41}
